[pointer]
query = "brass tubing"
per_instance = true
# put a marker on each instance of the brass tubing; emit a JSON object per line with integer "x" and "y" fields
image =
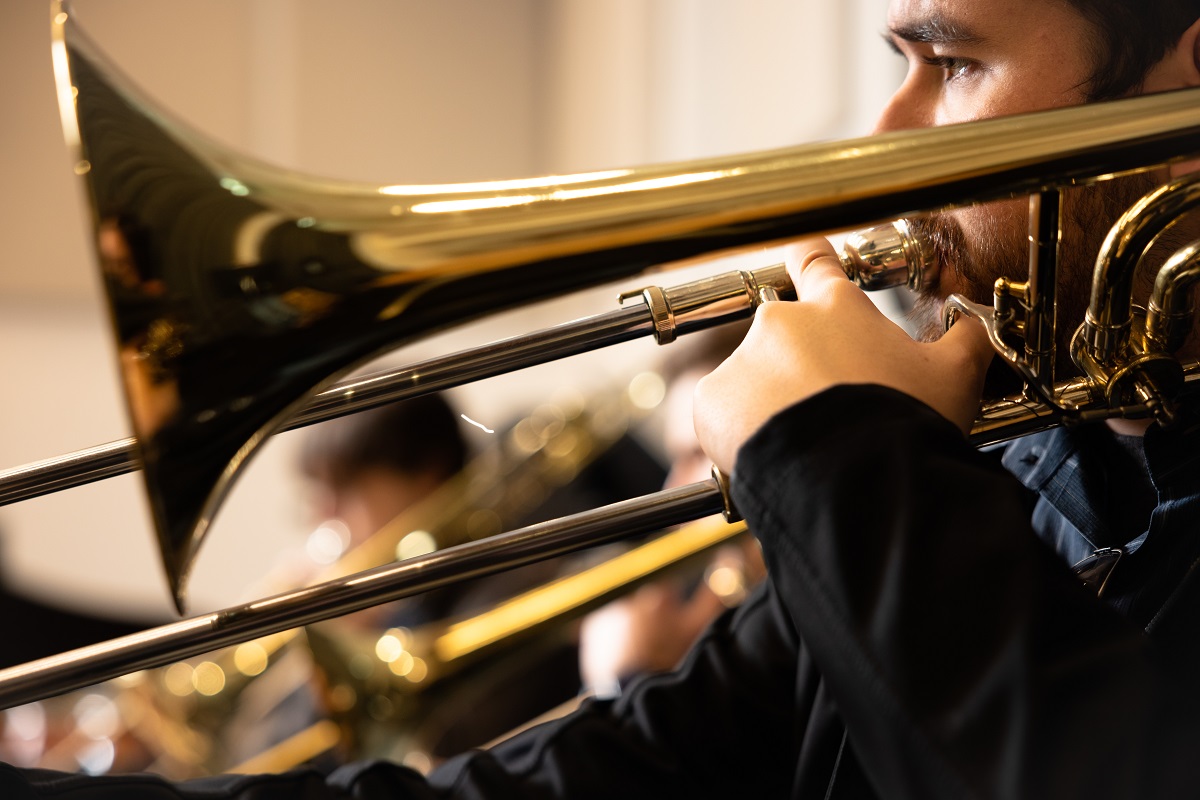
{"x": 1106, "y": 327}
{"x": 573, "y": 595}
{"x": 1169, "y": 313}
{"x": 416, "y": 259}
{"x": 1045, "y": 234}
{"x": 1008, "y": 418}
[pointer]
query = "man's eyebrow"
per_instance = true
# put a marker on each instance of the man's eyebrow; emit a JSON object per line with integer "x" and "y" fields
{"x": 934, "y": 30}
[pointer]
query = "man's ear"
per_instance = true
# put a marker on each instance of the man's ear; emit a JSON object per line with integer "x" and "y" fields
{"x": 1180, "y": 69}
{"x": 1191, "y": 43}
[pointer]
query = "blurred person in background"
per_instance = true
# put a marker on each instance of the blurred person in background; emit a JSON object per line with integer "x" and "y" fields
{"x": 368, "y": 476}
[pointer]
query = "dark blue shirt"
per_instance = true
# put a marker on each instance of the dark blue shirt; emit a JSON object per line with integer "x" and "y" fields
{"x": 1096, "y": 492}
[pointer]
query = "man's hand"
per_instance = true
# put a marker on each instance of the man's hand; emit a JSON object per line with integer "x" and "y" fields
{"x": 832, "y": 334}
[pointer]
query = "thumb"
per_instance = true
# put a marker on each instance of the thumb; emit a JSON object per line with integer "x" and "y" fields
{"x": 967, "y": 343}
{"x": 965, "y": 353}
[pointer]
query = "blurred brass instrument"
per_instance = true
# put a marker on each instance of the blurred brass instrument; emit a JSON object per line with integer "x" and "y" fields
{"x": 239, "y": 291}
{"x": 523, "y": 468}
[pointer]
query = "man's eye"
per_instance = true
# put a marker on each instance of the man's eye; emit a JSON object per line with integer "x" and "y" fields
{"x": 951, "y": 66}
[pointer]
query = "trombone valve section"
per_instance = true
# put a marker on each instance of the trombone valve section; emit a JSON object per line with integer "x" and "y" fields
{"x": 1127, "y": 355}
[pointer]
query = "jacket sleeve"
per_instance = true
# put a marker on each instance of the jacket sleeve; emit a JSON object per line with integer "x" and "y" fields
{"x": 721, "y": 725}
{"x": 965, "y": 658}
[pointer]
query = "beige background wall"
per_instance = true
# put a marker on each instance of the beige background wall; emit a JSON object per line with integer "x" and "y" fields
{"x": 377, "y": 90}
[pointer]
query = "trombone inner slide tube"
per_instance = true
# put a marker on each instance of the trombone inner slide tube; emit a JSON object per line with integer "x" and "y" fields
{"x": 156, "y": 647}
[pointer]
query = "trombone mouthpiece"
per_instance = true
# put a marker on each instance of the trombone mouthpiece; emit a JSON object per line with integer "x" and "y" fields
{"x": 884, "y": 257}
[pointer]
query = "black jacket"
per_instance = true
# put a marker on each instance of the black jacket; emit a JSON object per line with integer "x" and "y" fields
{"x": 915, "y": 640}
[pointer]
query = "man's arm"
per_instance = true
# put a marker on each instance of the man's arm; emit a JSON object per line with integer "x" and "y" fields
{"x": 965, "y": 658}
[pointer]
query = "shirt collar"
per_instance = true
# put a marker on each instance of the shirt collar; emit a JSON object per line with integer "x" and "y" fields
{"x": 1172, "y": 454}
{"x": 1049, "y": 463}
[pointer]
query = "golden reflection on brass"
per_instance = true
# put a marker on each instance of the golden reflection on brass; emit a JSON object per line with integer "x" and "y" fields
{"x": 550, "y": 601}
{"x": 411, "y": 251}
{"x": 296, "y": 749}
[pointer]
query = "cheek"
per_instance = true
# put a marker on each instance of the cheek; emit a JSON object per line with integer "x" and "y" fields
{"x": 970, "y": 105}
{"x": 995, "y": 222}
{"x": 996, "y": 238}
{"x": 1051, "y": 75}
{"x": 1005, "y": 219}
{"x": 1002, "y": 93}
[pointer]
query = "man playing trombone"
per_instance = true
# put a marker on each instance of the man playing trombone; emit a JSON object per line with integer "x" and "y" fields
{"x": 918, "y": 636}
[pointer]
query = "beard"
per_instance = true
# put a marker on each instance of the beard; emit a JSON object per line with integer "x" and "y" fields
{"x": 976, "y": 245}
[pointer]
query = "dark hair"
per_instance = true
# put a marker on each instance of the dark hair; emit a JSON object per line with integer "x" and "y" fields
{"x": 417, "y": 436}
{"x": 1130, "y": 38}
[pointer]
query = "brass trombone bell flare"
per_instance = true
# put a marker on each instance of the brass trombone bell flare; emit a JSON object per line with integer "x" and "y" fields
{"x": 238, "y": 289}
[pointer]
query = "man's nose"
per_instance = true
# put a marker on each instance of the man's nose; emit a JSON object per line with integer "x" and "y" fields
{"x": 903, "y": 111}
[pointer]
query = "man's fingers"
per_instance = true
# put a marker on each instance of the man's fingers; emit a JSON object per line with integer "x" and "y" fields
{"x": 810, "y": 262}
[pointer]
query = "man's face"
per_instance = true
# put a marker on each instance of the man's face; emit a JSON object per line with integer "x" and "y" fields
{"x": 974, "y": 59}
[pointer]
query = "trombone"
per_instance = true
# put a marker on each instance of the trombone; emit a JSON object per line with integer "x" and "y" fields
{"x": 208, "y": 254}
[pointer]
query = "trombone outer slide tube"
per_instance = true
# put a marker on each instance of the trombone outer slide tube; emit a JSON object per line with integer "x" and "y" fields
{"x": 172, "y": 642}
